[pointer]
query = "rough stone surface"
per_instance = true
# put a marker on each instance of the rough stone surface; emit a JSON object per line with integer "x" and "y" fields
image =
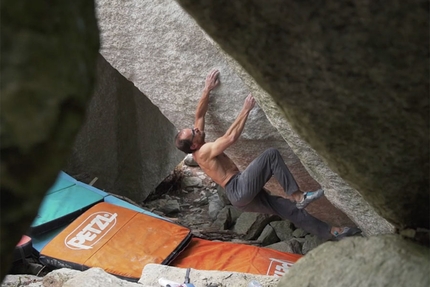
{"x": 226, "y": 218}
{"x": 299, "y": 232}
{"x": 352, "y": 78}
{"x": 58, "y": 277}
{"x": 93, "y": 277}
{"x": 26, "y": 280}
{"x": 252, "y": 224}
{"x": 222, "y": 195}
{"x": 158, "y": 47}
{"x": 126, "y": 142}
{"x": 189, "y": 160}
{"x": 268, "y": 236}
{"x": 292, "y": 246}
{"x": 215, "y": 206}
{"x": 191, "y": 182}
{"x": 48, "y": 61}
{"x": 363, "y": 262}
{"x": 152, "y": 272}
{"x": 283, "y": 229}
{"x": 97, "y": 277}
{"x": 310, "y": 243}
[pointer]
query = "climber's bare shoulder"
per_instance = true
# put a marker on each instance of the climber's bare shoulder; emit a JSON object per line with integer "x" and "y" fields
{"x": 217, "y": 166}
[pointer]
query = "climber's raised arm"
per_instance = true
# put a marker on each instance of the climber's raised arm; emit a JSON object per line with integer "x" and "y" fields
{"x": 232, "y": 134}
{"x": 212, "y": 81}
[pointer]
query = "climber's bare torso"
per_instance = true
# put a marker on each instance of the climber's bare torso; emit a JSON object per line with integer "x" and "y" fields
{"x": 219, "y": 168}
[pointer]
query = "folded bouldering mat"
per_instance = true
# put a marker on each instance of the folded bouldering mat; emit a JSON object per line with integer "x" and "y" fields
{"x": 63, "y": 181}
{"x": 63, "y": 202}
{"x": 119, "y": 240}
{"x": 226, "y": 256}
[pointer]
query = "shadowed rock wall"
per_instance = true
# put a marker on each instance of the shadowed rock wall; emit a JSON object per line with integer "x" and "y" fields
{"x": 48, "y": 60}
{"x": 126, "y": 142}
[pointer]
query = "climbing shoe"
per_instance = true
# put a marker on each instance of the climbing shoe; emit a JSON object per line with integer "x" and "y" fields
{"x": 346, "y": 232}
{"x": 309, "y": 197}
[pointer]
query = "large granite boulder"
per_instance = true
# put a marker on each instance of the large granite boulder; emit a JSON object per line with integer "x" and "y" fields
{"x": 362, "y": 262}
{"x": 158, "y": 47}
{"x": 48, "y": 60}
{"x": 125, "y": 141}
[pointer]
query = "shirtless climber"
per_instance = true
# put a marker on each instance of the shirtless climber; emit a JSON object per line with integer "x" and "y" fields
{"x": 244, "y": 188}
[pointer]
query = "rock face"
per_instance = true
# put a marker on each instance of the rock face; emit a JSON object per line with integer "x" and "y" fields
{"x": 126, "y": 142}
{"x": 48, "y": 60}
{"x": 152, "y": 272}
{"x": 97, "y": 277}
{"x": 158, "y": 47}
{"x": 351, "y": 78}
{"x": 406, "y": 262}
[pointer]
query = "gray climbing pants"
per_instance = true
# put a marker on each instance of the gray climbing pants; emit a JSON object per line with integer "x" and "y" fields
{"x": 245, "y": 191}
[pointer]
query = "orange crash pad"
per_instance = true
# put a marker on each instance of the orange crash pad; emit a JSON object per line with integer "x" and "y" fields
{"x": 119, "y": 240}
{"x": 226, "y": 256}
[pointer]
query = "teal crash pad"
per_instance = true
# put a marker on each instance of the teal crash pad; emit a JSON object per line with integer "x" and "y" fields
{"x": 63, "y": 203}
